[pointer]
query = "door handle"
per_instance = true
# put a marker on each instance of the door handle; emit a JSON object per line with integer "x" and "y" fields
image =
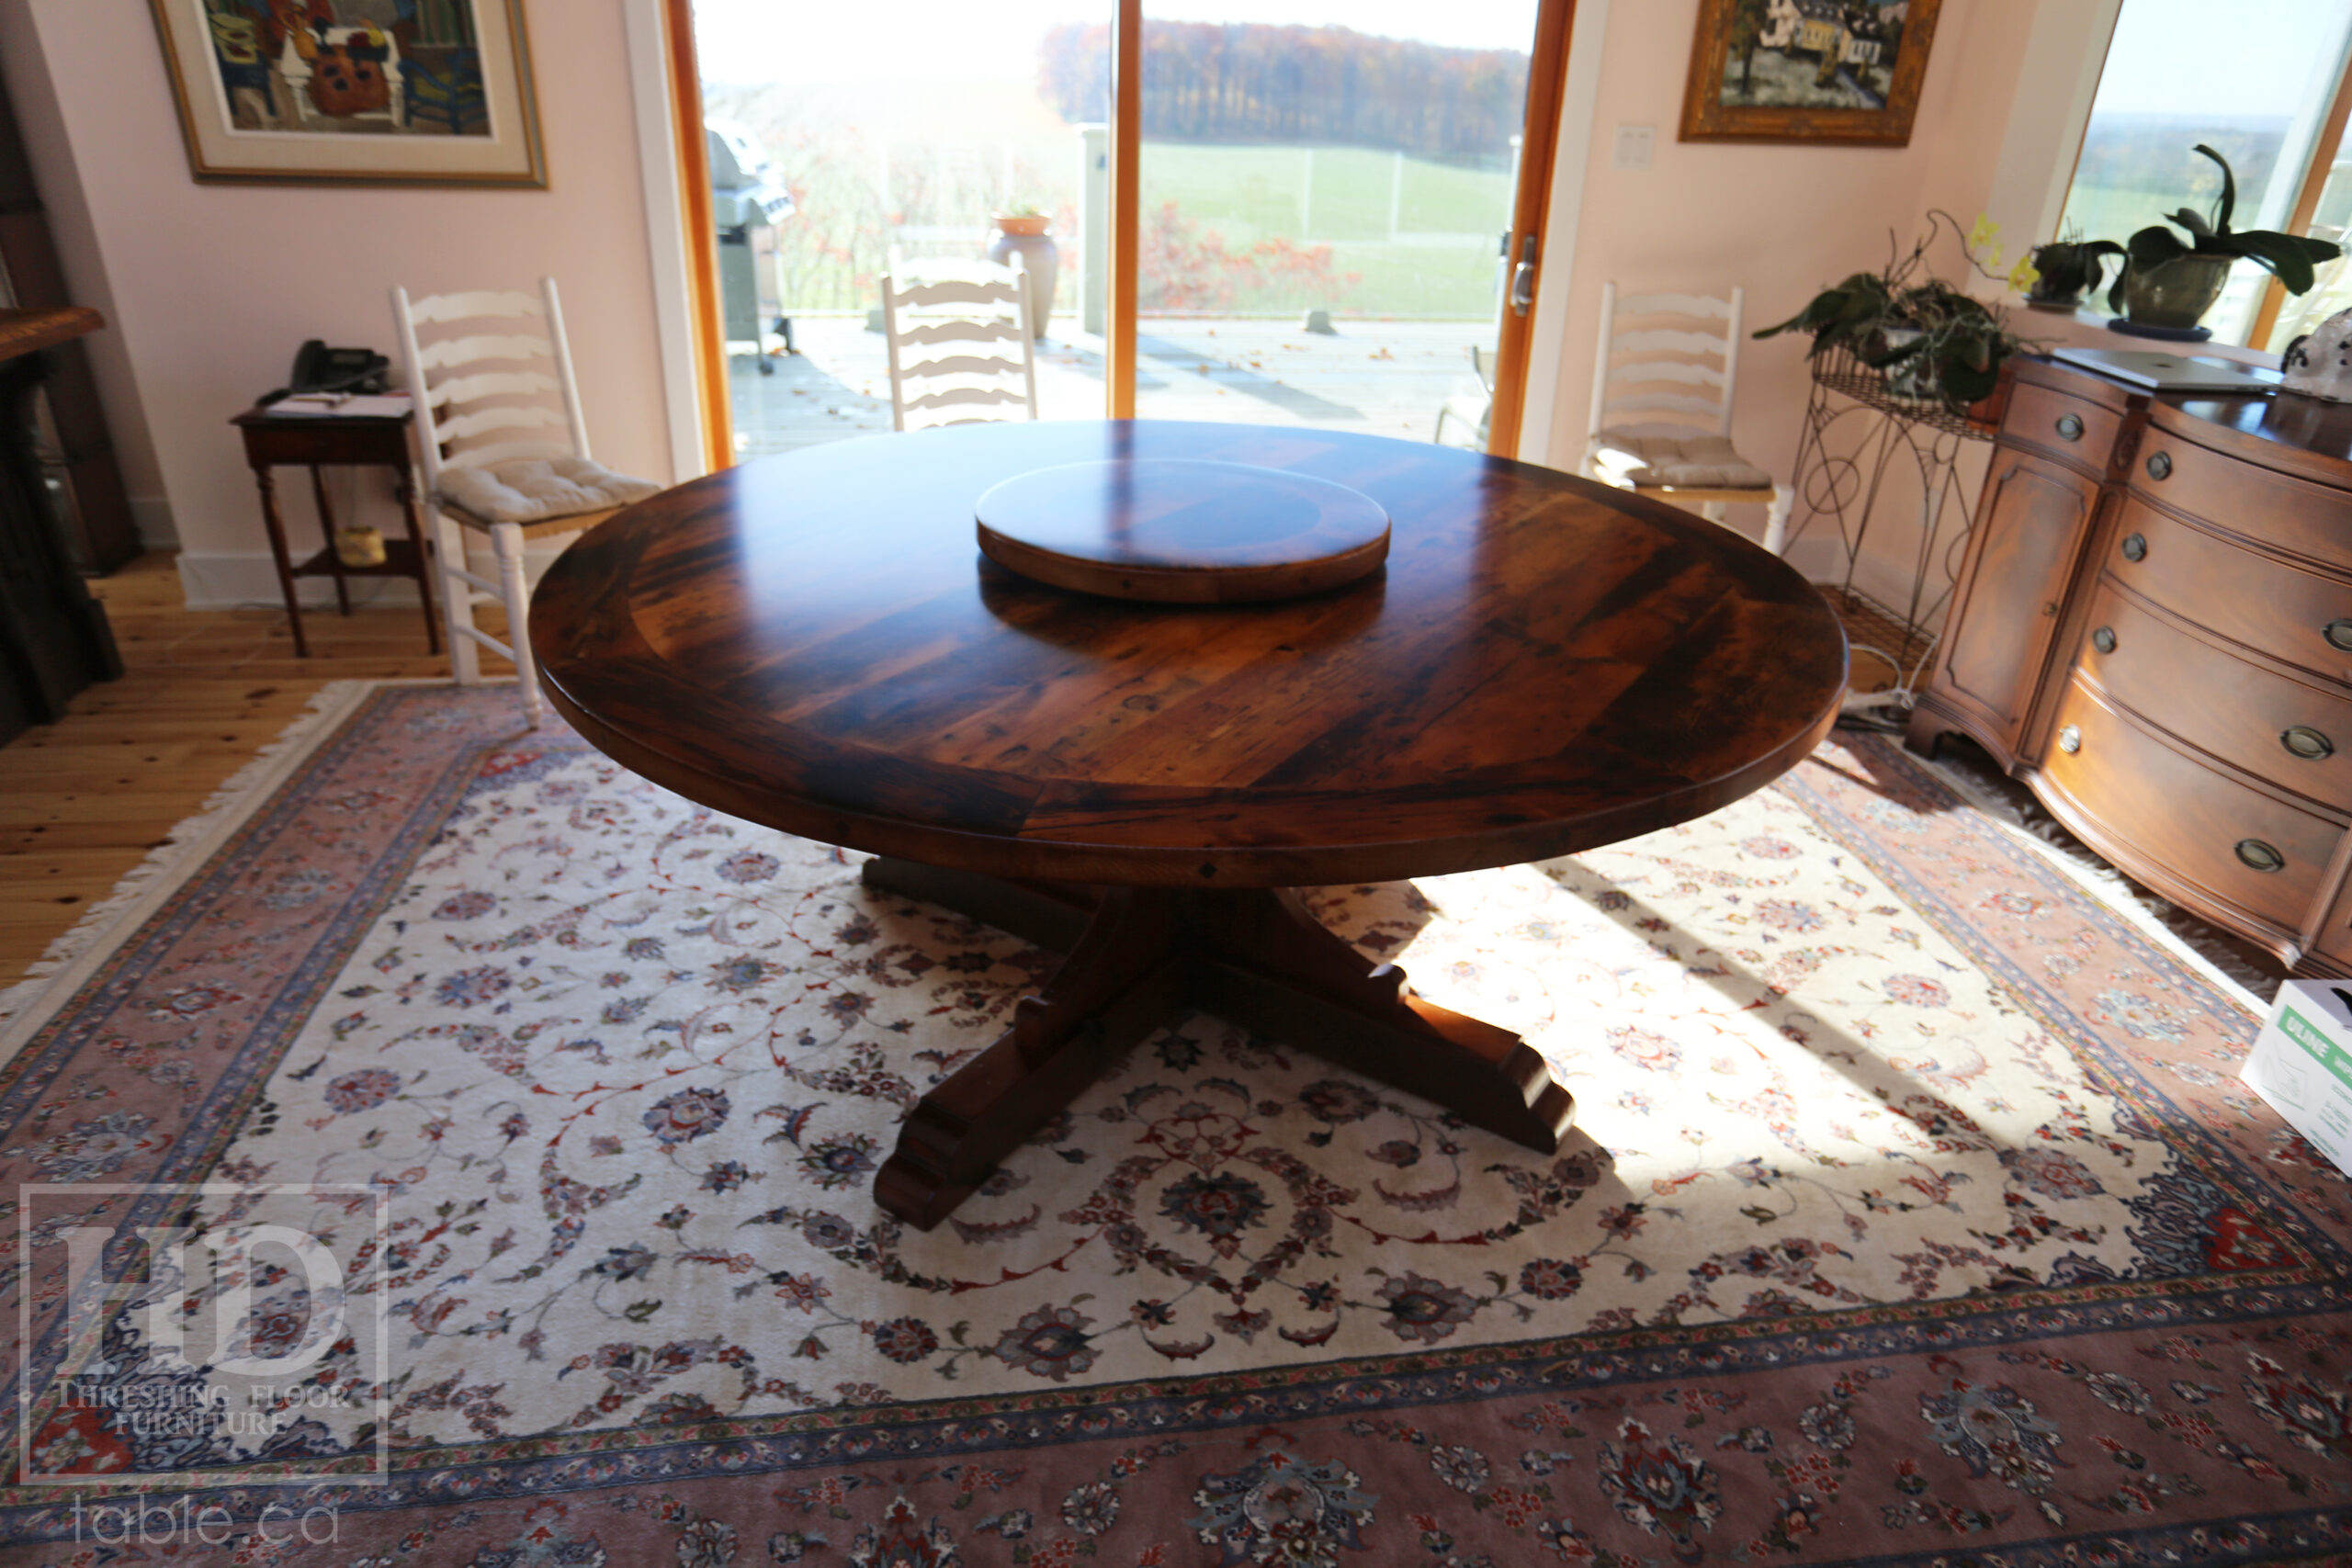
{"x": 1522, "y": 278}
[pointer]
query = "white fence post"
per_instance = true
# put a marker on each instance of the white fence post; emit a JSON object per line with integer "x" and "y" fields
{"x": 1094, "y": 227}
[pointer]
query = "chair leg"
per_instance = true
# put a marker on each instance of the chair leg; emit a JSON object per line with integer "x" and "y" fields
{"x": 1713, "y": 510}
{"x": 507, "y": 540}
{"x": 1775, "y": 519}
{"x": 456, "y": 601}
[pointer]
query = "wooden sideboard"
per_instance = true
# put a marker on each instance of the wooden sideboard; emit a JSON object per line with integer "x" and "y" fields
{"x": 2152, "y": 629}
{"x": 54, "y": 639}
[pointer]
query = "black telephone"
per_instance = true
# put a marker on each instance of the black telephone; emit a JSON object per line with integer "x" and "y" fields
{"x": 318, "y": 368}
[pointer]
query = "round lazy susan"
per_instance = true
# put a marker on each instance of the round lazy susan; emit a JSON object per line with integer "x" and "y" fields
{"x": 1181, "y": 531}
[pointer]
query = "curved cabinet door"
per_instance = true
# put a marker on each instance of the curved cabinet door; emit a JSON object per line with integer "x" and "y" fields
{"x": 2029, "y": 527}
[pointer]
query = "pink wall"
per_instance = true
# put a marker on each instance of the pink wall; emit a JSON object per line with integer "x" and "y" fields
{"x": 211, "y": 288}
{"x": 1780, "y": 220}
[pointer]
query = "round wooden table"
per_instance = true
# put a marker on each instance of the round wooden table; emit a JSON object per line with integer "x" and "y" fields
{"x": 1544, "y": 665}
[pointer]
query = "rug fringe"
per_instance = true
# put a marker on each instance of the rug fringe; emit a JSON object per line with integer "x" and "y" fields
{"x": 225, "y": 805}
{"x": 2155, "y": 917}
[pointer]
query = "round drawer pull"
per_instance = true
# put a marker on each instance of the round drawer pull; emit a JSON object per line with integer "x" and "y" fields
{"x": 2307, "y": 744}
{"x": 2135, "y": 547}
{"x": 2070, "y": 740}
{"x": 2160, "y": 466}
{"x": 2104, "y": 639}
{"x": 2260, "y": 856}
{"x": 2339, "y": 635}
{"x": 2070, "y": 426}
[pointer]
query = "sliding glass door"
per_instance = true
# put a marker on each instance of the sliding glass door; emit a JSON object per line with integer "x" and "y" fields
{"x": 844, "y": 140}
{"x": 1327, "y": 191}
{"x": 1328, "y": 201}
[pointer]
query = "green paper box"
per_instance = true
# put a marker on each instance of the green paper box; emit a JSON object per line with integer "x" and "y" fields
{"x": 2303, "y": 1065}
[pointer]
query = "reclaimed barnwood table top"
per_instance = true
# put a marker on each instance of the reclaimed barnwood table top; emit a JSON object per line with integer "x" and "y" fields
{"x": 1541, "y": 665}
{"x": 1183, "y": 530}
{"x": 27, "y": 330}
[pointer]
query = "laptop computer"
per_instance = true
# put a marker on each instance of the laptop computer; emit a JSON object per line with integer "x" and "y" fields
{"x": 2155, "y": 371}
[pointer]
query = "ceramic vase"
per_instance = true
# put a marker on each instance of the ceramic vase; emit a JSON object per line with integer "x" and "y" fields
{"x": 2175, "y": 294}
{"x": 1026, "y": 238}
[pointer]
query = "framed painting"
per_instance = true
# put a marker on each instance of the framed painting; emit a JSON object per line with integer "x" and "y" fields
{"x": 1838, "y": 70}
{"x": 366, "y": 92}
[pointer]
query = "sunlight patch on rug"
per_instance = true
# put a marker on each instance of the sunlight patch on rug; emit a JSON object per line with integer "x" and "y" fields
{"x": 629, "y": 1066}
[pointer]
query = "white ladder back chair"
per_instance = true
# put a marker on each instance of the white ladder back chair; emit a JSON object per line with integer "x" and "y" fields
{"x": 491, "y": 379}
{"x": 1664, "y": 375}
{"x": 961, "y": 336}
{"x": 1475, "y": 410}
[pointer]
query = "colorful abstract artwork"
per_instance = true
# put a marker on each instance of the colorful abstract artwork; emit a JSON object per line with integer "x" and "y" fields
{"x": 390, "y": 91}
{"x": 1842, "y": 71}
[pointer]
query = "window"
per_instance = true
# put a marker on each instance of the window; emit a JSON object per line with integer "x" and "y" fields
{"x": 2259, "y": 83}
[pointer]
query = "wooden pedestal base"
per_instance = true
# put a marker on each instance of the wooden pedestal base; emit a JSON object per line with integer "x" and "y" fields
{"x": 1136, "y": 954}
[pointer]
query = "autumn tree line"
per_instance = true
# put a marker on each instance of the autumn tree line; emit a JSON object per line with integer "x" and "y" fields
{"x": 1331, "y": 86}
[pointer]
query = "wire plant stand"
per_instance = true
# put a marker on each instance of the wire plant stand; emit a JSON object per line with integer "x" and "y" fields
{"x": 1858, "y": 431}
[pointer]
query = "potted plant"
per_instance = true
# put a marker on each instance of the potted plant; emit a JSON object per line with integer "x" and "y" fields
{"x": 2065, "y": 270}
{"x": 1022, "y": 230}
{"x": 2167, "y": 283}
{"x": 1931, "y": 341}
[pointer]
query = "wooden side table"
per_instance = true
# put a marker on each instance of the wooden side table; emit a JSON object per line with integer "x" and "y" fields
{"x": 321, "y": 441}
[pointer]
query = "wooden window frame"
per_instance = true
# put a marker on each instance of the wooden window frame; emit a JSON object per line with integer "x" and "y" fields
{"x": 2324, "y": 149}
{"x": 1547, "y": 78}
{"x": 702, "y": 238}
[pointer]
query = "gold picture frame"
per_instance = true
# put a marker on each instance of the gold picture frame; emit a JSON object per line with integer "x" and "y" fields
{"x": 1844, "y": 71}
{"x": 354, "y": 92}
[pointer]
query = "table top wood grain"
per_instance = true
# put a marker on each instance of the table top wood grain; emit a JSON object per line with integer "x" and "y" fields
{"x": 1182, "y": 531}
{"x": 27, "y": 330}
{"x": 1543, "y": 665}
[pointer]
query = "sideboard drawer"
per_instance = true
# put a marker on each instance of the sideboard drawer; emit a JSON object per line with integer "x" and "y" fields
{"x": 2293, "y": 515}
{"x": 2074, "y": 428}
{"x": 2178, "y": 814}
{"x": 2249, "y": 598}
{"x": 2297, "y": 736}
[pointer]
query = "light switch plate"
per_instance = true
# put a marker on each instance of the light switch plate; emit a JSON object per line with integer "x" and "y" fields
{"x": 1634, "y": 143}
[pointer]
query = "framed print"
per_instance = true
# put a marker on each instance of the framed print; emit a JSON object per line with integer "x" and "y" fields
{"x": 1841, "y": 71}
{"x": 366, "y": 92}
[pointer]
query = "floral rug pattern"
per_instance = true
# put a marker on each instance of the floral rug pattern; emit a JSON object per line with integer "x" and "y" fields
{"x": 1915, "y": 1207}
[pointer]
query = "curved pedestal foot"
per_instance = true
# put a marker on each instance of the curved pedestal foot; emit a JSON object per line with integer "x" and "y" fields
{"x": 1256, "y": 957}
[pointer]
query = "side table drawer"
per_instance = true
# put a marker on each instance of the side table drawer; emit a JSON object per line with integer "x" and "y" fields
{"x": 2297, "y": 736}
{"x": 2072, "y": 428}
{"x": 2212, "y": 833}
{"x": 2293, "y": 515}
{"x": 2303, "y": 617}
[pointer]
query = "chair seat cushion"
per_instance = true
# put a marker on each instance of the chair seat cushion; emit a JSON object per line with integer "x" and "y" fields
{"x": 1697, "y": 461}
{"x": 530, "y": 490}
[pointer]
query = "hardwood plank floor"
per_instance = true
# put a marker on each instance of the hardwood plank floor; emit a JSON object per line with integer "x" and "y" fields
{"x": 82, "y": 802}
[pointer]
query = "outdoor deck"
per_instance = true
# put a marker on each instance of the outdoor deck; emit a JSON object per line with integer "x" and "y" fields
{"x": 1381, "y": 377}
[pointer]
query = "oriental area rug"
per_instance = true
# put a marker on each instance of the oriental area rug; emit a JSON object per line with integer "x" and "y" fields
{"x": 521, "y": 1117}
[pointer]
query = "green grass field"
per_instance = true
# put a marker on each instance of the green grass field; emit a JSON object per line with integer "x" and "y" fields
{"x": 1417, "y": 236}
{"x": 1421, "y": 236}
